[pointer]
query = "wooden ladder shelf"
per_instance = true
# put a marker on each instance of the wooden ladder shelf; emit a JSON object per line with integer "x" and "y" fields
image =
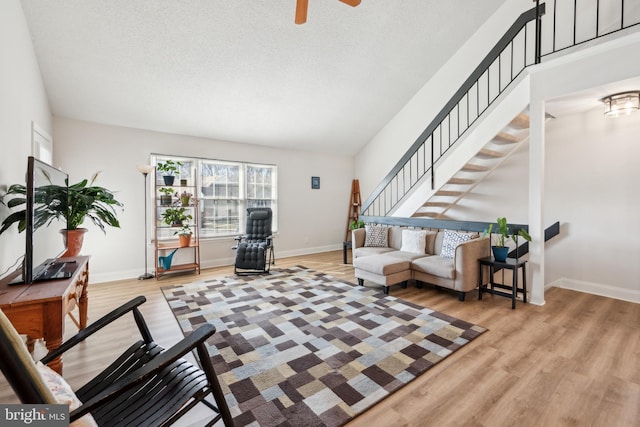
{"x": 354, "y": 207}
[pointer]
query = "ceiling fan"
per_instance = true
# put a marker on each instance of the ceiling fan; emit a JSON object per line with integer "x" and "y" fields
{"x": 303, "y": 5}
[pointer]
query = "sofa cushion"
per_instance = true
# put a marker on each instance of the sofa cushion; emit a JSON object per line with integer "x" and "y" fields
{"x": 436, "y": 266}
{"x": 414, "y": 241}
{"x": 376, "y": 236}
{"x": 451, "y": 240}
{"x": 360, "y": 252}
{"x": 381, "y": 264}
{"x": 408, "y": 256}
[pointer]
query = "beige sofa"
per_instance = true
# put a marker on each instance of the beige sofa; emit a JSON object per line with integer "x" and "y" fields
{"x": 389, "y": 265}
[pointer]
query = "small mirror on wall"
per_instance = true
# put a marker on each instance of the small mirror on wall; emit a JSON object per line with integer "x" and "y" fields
{"x": 315, "y": 182}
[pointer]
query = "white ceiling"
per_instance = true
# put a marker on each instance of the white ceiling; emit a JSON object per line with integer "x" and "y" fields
{"x": 241, "y": 70}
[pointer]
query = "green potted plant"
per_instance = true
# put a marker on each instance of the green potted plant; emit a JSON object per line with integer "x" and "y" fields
{"x": 355, "y": 224}
{"x": 169, "y": 169}
{"x": 500, "y": 250}
{"x": 83, "y": 200}
{"x": 184, "y": 234}
{"x": 185, "y": 198}
{"x": 166, "y": 196}
{"x": 175, "y": 217}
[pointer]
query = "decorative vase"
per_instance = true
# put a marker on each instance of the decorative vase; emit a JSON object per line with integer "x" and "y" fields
{"x": 185, "y": 200}
{"x": 185, "y": 240}
{"x": 73, "y": 240}
{"x": 168, "y": 179}
{"x": 500, "y": 253}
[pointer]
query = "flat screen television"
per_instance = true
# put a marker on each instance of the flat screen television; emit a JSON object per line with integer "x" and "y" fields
{"x": 47, "y": 190}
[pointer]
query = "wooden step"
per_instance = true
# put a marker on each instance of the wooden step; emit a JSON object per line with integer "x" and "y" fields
{"x": 470, "y": 167}
{"x": 490, "y": 154}
{"x": 505, "y": 138}
{"x": 521, "y": 121}
{"x": 460, "y": 181}
{"x": 436, "y": 204}
{"x": 448, "y": 193}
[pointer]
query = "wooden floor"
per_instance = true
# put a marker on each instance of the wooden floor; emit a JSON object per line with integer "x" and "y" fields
{"x": 573, "y": 362}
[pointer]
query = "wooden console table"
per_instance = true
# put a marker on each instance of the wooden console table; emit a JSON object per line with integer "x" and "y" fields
{"x": 38, "y": 310}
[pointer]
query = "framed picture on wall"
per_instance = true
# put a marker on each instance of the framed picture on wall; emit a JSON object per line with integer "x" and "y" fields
{"x": 41, "y": 144}
{"x": 315, "y": 182}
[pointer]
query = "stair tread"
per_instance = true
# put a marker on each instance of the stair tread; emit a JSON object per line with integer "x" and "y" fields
{"x": 521, "y": 121}
{"x": 451, "y": 193}
{"x": 485, "y": 152}
{"x": 462, "y": 181}
{"x": 470, "y": 167}
{"x": 436, "y": 204}
{"x": 506, "y": 138}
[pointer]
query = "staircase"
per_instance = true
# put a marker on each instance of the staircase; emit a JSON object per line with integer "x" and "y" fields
{"x": 488, "y": 158}
{"x": 452, "y": 155}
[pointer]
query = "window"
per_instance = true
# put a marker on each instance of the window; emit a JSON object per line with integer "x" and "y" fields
{"x": 225, "y": 190}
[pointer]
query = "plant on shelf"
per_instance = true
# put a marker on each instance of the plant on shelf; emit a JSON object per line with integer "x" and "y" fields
{"x": 175, "y": 217}
{"x": 500, "y": 250}
{"x": 184, "y": 234}
{"x": 83, "y": 200}
{"x": 169, "y": 169}
{"x": 185, "y": 198}
{"x": 166, "y": 197}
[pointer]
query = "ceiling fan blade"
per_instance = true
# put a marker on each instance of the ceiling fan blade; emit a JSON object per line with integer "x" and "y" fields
{"x": 352, "y": 3}
{"x": 301, "y": 11}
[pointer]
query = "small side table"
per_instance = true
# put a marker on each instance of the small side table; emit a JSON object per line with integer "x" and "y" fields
{"x": 510, "y": 264}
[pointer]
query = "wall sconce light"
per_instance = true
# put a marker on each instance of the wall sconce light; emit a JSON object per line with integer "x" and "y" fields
{"x": 621, "y": 104}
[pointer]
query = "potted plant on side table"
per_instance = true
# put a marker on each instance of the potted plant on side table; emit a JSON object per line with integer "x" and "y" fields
{"x": 500, "y": 251}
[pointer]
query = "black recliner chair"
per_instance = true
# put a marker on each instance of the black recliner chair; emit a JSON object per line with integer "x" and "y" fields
{"x": 254, "y": 250}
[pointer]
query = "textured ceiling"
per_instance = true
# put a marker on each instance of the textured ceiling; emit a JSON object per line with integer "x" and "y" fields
{"x": 242, "y": 70}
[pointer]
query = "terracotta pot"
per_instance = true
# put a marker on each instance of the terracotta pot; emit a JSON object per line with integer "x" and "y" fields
{"x": 73, "y": 240}
{"x": 185, "y": 240}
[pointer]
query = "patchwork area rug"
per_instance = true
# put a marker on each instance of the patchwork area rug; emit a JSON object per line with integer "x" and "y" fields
{"x": 300, "y": 348}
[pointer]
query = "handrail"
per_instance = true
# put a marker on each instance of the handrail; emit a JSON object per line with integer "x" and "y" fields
{"x": 445, "y": 112}
{"x": 420, "y": 159}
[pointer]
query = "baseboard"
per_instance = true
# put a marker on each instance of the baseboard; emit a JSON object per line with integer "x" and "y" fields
{"x": 598, "y": 289}
{"x": 113, "y": 276}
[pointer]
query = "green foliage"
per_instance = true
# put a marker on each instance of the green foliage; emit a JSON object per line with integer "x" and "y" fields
{"x": 355, "y": 224}
{"x": 178, "y": 215}
{"x": 52, "y": 202}
{"x": 167, "y": 191}
{"x": 503, "y": 232}
{"x": 169, "y": 167}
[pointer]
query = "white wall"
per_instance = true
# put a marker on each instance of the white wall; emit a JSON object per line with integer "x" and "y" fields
{"x": 309, "y": 220}
{"x": 22, "y": 100}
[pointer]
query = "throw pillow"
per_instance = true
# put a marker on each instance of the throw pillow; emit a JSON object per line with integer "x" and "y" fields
{"x": 451, "y": 240}
{"x": 63, "y": 394}
{"x": 376, "y": 236}
{"x": 414, "y": 241}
